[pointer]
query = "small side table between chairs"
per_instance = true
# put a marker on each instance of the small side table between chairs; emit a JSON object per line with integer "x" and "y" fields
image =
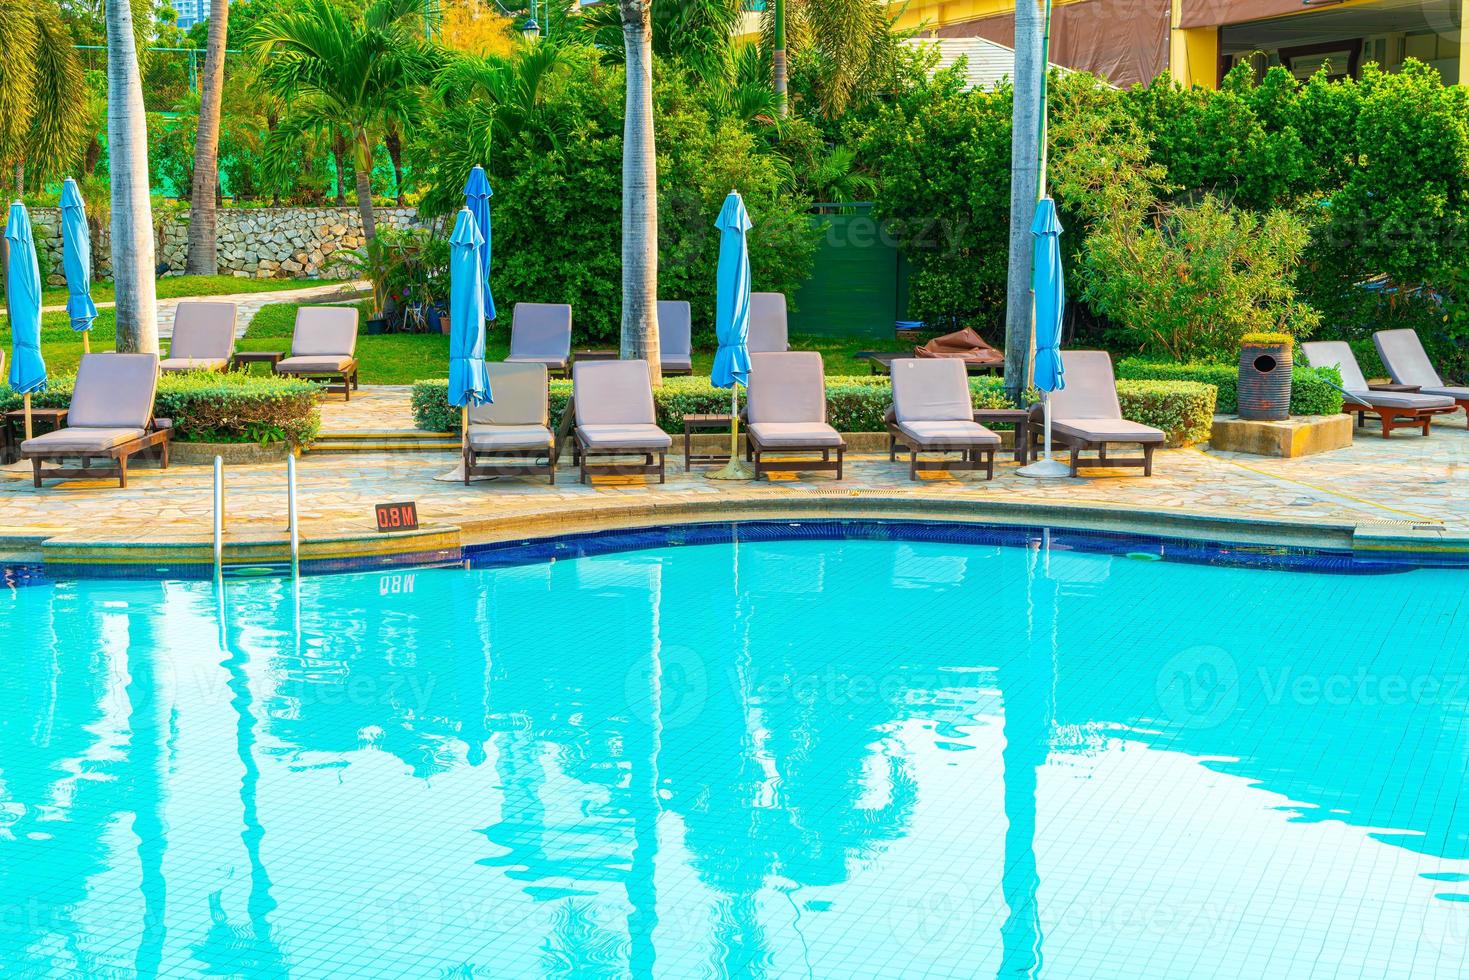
{"x": 703, "y": 422}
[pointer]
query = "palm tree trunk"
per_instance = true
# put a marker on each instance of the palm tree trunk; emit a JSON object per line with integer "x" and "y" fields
{"x": 132, "y": 211}
{"x": 394, "y": 143}
{"x": 339, "y": 157}
{"x": 779, "y": 57}
{"x": 20, "y": 178}
{"x": 203, "y": 257}
{"x": 1024, "y": 184}
{"x": 364, "y": 186}
{"x": 639, "y": 195}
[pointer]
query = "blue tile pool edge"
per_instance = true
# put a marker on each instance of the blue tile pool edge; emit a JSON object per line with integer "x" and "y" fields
{"x": 537, "y": 550}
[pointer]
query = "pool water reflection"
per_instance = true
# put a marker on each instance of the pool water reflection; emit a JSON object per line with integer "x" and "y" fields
{"x": 818, "y": 758}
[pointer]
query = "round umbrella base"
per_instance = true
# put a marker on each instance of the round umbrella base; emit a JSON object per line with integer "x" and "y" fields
{"x": 733, "y": 470}
{"x": 1046, "y": 469}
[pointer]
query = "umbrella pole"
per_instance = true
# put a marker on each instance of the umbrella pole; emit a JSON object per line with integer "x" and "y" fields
{"x": 734, "y": 469}
{"x": 27, "y": 400}
{"x": 86, "y": 342}
{"x": 1044, "y": 468}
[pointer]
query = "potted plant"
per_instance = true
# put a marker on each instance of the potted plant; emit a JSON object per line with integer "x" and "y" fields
{"x": 1264, "y": 376}
{"x": 374, "y": 262}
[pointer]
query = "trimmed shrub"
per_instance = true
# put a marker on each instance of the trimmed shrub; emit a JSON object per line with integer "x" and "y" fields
{"x": 857, "y": 403}
{"x": 206, "y": 406}
{"x": 1311, "y": 388}
{"x": 1183, "y": 409}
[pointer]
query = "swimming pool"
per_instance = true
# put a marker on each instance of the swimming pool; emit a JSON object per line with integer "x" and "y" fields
{"x": 773, "y": 750}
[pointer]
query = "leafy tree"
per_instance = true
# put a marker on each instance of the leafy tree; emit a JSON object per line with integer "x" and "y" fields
{"x": 344, "y": 70}
{"x": 40, "y": 85}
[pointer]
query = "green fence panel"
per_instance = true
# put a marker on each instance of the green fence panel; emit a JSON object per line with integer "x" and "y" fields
{"x": 853, "y": 289}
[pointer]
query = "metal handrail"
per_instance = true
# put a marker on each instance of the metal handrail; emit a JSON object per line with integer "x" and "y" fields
{"x": 218, "y": 517}
{"x": 291, "y": 516}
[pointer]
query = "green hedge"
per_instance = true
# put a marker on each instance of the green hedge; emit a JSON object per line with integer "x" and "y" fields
{"x": 206, "y": 406}
{"x": 1311, "y": 388}
{"x": 857, "y": 404}
{"x": 1183, "y": 409}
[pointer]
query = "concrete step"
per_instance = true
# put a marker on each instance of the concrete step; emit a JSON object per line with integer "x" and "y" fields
{"x": 393, "y": 440}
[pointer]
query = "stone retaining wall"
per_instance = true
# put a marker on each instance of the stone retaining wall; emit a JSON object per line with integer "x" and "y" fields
{"x": 254, "y": 243}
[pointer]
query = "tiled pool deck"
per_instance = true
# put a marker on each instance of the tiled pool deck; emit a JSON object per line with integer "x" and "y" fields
{"x": 1403, "y": 493}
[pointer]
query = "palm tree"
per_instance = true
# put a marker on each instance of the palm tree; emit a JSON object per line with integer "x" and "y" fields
{"x": 203, "y": 258}
{"x": 132, "y": 209}
{"x": 778, "y": 46}
{"x": 40, "y": 130}
{"x": 847, "y": 41}
{"x": 639, "y": 194}
{"x": 353, "y": 69}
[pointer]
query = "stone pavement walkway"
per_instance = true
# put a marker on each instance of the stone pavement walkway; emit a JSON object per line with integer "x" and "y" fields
{"x": 1386, "y": 485}
{"x": 250, "y": 303}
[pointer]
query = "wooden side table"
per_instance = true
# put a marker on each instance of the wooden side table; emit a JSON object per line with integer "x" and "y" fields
{"x": 242, "y": 359}
{"x": 594, "y": 355}
{"x": 1020, "y": 417}
{"x": 43, "y": 420}
{"x": 702, "y": 422}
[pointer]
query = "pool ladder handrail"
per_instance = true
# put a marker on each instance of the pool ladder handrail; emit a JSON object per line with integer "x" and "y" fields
{"x": 218, "y": 517}
{"x": 292, "y": 517}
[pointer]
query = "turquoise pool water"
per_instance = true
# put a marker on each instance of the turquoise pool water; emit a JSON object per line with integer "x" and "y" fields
{"x": 827, "y": 758}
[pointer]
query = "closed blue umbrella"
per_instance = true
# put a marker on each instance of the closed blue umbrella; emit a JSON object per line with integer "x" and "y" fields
{"x": 76, "y": 260}
{"x": 23, "y": 300}
{"x": 732, "y": 321}
{"x": 469, "y": 382}
{"x": 477, "y": 199}
{"x": 1049, "y": 286}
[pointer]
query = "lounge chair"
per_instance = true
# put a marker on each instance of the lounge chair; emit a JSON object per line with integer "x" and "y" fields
{"x": 675, "y": 330}
{"x": 768, "y": 328}
{"x": 786, "y": 408}
{"x": 615, "y": 417}
{"x": 203, "y": 337}
{"x": 540, "y": 333}
{"x": 1396, "y": 409}
{"x": 111, "y": 417}
{"x": 1087, "y": 417}
{"x": 1406, "y": 360}
{"x": 515, "y": 425}
{"x": 933, "y": 412}
{"x": 324, "y": 346}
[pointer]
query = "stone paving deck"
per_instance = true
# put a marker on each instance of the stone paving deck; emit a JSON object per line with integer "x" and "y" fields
{"x": 1376, "y": 487}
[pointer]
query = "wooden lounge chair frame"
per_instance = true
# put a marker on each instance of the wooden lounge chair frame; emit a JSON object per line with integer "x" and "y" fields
{"x": 342, "y": 382}
{"x": 532, "y": 467}
{"x": 654, "y": 461}
{"x": 1392, "y": 417}
{"x": 159, "y": 433}
{"x": 1037, "y": 434}
{"x": 756, "y": 451}
{"x": 970, "y": 457}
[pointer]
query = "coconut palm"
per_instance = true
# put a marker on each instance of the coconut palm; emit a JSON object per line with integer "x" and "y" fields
{"x": 846, "y": 40}
{"x": 132, "y": 209}
{"x": 696, "y": 32}
{"x": 203, "y": 258}
{"x": 42, "y": 84}
{"x": 353, "y": 69}
{"x": 639, "y": 193}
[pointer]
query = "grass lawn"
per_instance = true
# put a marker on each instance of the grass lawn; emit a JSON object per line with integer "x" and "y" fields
{"x": 173, "y": 287}
{"x": 390, "y": 358}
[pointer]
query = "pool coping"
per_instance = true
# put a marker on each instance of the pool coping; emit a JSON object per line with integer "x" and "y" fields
{"x": 70, "y": 555}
